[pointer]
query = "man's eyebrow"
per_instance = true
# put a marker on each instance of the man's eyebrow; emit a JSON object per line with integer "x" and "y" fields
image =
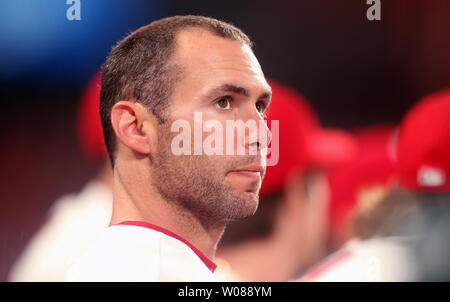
{"x": 225, "y": 88}
{"x": 266, "y": 95}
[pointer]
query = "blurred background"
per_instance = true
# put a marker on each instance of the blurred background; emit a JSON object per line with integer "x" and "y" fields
{"x": 354, "y": 72}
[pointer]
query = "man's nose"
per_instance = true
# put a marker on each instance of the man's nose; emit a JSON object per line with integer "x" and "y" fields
{"x": 260, "y": 137}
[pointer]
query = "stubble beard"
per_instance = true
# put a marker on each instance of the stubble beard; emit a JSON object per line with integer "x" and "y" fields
{"x": 195, "y": 183}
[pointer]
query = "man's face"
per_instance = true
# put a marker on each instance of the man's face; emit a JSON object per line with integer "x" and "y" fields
{"x": 222, "y": 80}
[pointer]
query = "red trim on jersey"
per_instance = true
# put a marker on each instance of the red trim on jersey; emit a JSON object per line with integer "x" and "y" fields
{"x": 321, "y": 268}
{"x": 211, "y": 265}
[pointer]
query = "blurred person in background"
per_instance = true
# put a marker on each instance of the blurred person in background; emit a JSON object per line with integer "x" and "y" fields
{"x": 424, "y": 173}
{"x": 288, "y": 233}
{"x": 393, "y": 232}
{"x": 76, "y": 219}
{"x": 357, "y": 186}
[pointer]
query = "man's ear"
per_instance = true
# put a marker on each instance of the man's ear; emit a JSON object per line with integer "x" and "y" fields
{"x": 134, "y": 126}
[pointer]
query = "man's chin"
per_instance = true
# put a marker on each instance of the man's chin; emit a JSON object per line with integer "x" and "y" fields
{"x": 249, "y": 204}
{"x": 251, "y": 196}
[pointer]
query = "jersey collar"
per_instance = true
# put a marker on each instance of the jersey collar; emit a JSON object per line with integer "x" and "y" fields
{"x": 208, "y": 262}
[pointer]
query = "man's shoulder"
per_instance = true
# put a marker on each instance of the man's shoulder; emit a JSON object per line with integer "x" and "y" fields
{"x": 133, "y": 253}
{"x": 120, "y": 253}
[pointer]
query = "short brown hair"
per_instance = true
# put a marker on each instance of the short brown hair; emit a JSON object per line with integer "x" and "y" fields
{"x": 139, "y": 67}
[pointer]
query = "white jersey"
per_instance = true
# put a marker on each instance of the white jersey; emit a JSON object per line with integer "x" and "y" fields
{"x": 139, "y": 251}
{"x": 379, "y": 259}
{"x": 74, "y": 223}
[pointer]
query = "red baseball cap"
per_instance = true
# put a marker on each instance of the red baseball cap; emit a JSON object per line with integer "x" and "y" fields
{"x": 89, "y": 128}
{"x": 374, "y": 166}
{"x": 303, "y": 143}
{"x": 423, "y": 150}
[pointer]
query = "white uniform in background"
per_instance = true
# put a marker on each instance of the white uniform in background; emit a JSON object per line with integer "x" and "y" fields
{"x": 138, "y": 251}
{"x": 74, "y": 223}
{"x": 379, "y": 259}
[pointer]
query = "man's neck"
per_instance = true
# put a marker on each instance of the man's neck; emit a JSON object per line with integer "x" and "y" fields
{"x": 148, "y": 206}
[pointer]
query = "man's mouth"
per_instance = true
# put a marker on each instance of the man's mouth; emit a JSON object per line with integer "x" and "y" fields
{"x": 254, "y": 172}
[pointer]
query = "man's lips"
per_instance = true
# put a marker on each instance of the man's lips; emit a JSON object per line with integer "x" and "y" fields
{"x": 254, "y": 172}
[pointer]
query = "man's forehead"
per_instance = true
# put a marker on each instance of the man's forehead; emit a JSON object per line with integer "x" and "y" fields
{"x": 203, "y": 53}
{"x": 202, "y": 46}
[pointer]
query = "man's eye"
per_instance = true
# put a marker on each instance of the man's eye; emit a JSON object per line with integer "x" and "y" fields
{"x": 261, "y": 107}
{"x": 224, "y": 103}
